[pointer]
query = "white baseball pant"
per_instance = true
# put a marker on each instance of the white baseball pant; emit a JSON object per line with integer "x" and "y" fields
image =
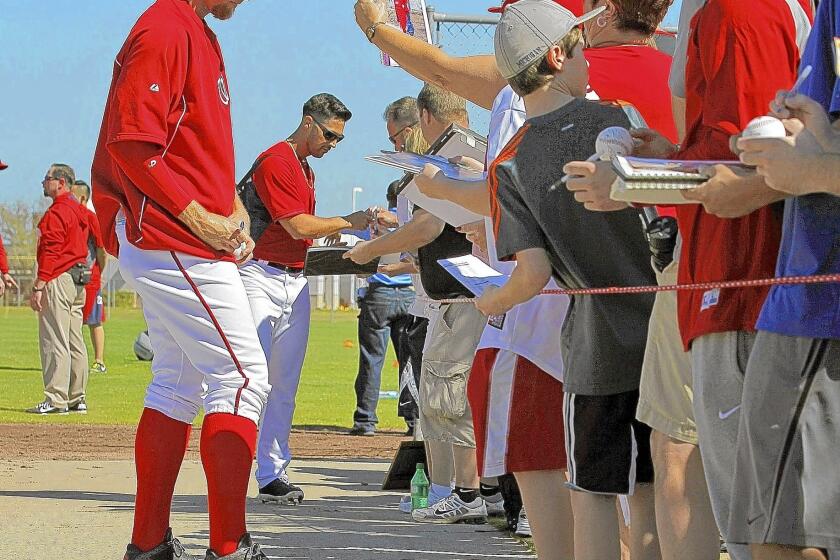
{"x": 280, "y": 308}
{"x": 205, "y": 343}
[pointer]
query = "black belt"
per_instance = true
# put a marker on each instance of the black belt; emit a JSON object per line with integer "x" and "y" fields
{"x": 284, "y": 268}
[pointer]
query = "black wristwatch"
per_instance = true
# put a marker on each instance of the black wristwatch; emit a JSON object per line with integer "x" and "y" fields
{"x": 34, "y": 289}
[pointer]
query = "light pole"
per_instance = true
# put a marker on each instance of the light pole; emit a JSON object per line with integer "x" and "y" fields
{"x": 356, "y": 190}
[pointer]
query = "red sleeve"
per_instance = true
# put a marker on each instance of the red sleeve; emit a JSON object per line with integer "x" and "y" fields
{"x": 4, "y": 261}
{"x": 282, "y": 188}
{"x": 53, "y": 229}
{"x": 745, "y": 56}
{"x": 146, "y": 100}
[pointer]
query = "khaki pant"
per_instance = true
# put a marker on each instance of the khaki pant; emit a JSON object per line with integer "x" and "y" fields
{"x": 64, "y": 357}
{"x": 452, "y": 338}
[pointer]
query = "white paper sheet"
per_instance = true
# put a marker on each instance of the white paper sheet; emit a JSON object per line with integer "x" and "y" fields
{"x": 473, "y": 273}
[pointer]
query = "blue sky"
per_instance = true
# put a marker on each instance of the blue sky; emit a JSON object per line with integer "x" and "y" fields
{"x": 57, "y": 59}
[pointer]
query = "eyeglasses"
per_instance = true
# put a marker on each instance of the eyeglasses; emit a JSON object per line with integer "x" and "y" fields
{"x": 329, "y": 135}
{"x": 47, "y": 179}
{"x": 393, "y": 138}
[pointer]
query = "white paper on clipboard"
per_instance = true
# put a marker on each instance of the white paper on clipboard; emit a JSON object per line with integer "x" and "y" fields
{"x": 410, "y": 17}
{"x": 456, "y": 141}
{"x": 473, "y": 273}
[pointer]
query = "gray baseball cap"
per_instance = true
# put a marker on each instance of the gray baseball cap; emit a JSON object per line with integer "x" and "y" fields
{"x": 528, "y": 29}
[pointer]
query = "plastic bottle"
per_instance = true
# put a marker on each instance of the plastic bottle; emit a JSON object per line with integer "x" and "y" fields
{"x": 389, "y": 395}
{"x": 419, "y": 488}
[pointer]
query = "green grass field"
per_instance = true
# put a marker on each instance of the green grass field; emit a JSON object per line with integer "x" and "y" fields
{"x": 326, "y": 396}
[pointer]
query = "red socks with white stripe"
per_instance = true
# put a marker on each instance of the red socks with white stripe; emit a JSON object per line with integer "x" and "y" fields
{"x": 159, "y": 449}
{"x": 228, "y": 443}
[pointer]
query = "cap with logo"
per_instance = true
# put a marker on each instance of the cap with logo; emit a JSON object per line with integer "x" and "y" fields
{"x": 528, "y": 29}
{"x": 574, "y": 6}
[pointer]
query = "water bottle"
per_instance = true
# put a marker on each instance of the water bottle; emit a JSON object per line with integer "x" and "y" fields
{"x": 419, "y": 488}
{"x": 388, "y": 395}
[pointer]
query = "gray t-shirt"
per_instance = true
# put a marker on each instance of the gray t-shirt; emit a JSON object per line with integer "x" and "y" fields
{"x": 677, "y": 79}
{"x": 604, "y": 337}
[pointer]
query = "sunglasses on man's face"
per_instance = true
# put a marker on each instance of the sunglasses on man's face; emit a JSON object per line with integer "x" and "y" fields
{"x": 47, "y": 179}
{"x": 393, "y": 137}
{"x": 329, "y": 135}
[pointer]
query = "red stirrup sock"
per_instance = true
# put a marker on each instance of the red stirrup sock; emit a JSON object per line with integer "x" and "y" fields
{"x": 227, "y": 453}
{"x": 158, "y": 452}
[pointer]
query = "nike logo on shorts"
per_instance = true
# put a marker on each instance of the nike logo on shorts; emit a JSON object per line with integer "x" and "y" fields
{"x": 724, "y": 415}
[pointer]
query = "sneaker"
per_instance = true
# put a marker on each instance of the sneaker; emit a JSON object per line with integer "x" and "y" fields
{"x": 367, "y": 431}
{"x": 452, "y": 510}
{"x": 79, "y": 408}
{"x": 170, "y": 549}
{"x": 247, "y": 550}
{"x": 46, "y": 407}
{"x": 281, "y": 491}
{"x": 405, "y": 501}
{"x": 495, "y": 505}
{"x": 523, "y": 527}
{"x": 98, "y": 367}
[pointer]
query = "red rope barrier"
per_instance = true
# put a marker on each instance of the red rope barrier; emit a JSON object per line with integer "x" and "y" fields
{"x": 705, "y": 286}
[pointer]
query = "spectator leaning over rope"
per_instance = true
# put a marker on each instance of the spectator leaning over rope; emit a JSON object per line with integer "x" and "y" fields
{"x": 58, "y": 295}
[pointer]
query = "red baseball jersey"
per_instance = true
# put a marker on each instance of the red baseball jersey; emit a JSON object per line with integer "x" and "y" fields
{"x": 286, "y": 185}
{"x": 62, "y": 238}
{"x": 739, "y": 55}
{"x": 94, "y": 242}
{"x": 169, "y": 91}
{"x": 4, "y": 261}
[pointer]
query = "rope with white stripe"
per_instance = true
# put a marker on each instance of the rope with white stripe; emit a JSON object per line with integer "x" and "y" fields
{"x": 704, "y": 286}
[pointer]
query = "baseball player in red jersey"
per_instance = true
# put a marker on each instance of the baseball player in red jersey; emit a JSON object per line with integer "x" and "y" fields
{"x": 163, "y": 183}
{"x": 274, "y": 281}
{"x": 93, "y": 313}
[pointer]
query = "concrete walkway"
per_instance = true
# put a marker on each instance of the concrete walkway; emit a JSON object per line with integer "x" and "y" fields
{"x": 68, "y": 509}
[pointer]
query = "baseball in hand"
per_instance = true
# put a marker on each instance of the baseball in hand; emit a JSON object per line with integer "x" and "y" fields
{"x": 764, "y": 127}
{"x": 613, "y": 141}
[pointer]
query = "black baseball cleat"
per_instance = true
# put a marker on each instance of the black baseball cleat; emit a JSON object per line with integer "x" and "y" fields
{"x": 281, "y": 491}
{"x": 170, "y": 549}
{"x": 247, "y": 550}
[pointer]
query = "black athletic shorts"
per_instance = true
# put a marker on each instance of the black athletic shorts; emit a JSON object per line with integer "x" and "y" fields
{"x": 608, "y": 449}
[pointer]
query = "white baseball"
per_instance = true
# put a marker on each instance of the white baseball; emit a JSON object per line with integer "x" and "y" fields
{"x": 613, "y": 141}
{"x": 764, "y": 127}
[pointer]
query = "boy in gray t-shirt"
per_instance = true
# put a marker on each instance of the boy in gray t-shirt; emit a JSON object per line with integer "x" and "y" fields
{"x": 540, "y": 223}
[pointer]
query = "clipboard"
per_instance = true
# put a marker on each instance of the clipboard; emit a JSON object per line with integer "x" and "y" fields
{"x": 330, "y": 261}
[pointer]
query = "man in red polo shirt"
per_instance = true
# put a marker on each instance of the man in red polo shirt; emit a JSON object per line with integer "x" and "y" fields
{"x": 277, "y": 290}
{"x": 163, "y": 183}
{"x": 58, "y": 296}
{"x": 93, "y": 313}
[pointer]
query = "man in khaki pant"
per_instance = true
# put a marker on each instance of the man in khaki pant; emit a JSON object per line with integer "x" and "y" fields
{"x": 58, "y": 296}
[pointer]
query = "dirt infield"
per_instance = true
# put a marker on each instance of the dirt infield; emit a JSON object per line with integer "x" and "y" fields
{"x": 67, "y": 442}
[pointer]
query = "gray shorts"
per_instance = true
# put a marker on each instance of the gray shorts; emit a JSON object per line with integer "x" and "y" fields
{"x": 787, "y": 472}
{"x": 451, "y": 340}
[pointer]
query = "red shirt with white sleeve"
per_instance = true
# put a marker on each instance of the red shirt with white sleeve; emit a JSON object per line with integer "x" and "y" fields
{"x": 169, "y": 91}
{"x": 4, "y": 261}
{"x": 286, "y": 185}
{"x": 62, "y": 238}
{"x": 739, "y": 55}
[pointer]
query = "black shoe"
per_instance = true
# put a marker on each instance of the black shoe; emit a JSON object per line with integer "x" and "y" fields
{"x": 246, "y": 550}
{"x": 170, "y": 549}
{"x": 367, "y": 431}
{"x": 280, "y": 490}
